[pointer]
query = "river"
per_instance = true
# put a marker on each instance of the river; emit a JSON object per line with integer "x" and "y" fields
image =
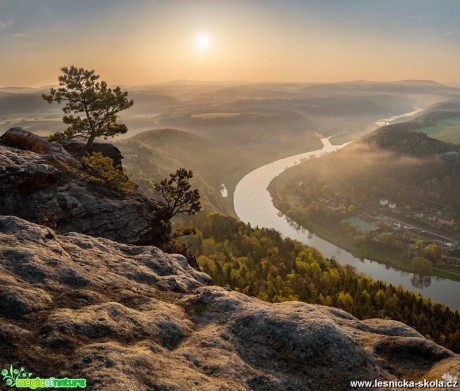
{"x": 253, "y": 204}
{"x": 387, "y": 121}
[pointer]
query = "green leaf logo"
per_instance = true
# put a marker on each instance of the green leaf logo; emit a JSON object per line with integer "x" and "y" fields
{"x": 11, "y": 375}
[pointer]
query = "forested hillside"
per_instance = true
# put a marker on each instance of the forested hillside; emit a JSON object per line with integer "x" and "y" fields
{"x": 260, "y": 263}
{"x": 407, "y": 138}
{"x": 152, "y": 155}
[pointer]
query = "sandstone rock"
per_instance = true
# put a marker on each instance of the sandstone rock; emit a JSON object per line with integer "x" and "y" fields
{"x": 25, "y": 171}
{"x": 75, "y": 148}
{"x": 23, "y": 139}
{"x": 133, "y": 318}
{"x": 52, "y": 190}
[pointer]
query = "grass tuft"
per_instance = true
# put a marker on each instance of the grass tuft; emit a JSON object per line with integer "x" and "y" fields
{"x": 25, "y": 141}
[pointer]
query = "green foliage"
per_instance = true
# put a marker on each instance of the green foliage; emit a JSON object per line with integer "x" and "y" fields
{"x": 433, "y": 252}
{"x": 178, "y": 197}
{"x": 260, "y": 263}
{"x": 103, "y": 173}
{"x": 445, "y": 130}
{"x": 98, "y": 103}
{"x": 423, "y": 265}
{"x": 183, "y": 231}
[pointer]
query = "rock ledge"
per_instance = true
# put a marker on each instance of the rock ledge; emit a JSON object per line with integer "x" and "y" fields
{"x": 77, "y": 306}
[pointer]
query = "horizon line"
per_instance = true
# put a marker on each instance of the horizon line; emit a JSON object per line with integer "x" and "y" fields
{"x": 228, "y": 81}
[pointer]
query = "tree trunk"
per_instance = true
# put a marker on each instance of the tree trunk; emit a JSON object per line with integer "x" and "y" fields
{"x": 88, "y": 146}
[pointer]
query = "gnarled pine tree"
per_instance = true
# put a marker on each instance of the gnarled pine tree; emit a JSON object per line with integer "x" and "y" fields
{"x": 98, "y": 104}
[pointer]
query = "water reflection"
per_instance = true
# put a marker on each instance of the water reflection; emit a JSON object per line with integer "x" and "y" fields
{"x": 388, "y": 121}
{"x": 420, "y": 281}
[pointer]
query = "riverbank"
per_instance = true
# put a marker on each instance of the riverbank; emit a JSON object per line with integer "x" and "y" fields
{"x": 386, "y": 257}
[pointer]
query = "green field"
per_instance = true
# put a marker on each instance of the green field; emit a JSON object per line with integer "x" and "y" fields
{"x": 447, "y": 130}
{"x": 215, "y": 115}
{"x": 361, "y": 224}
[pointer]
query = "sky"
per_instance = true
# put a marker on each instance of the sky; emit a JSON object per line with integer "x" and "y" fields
{"x": 133, "y": 42}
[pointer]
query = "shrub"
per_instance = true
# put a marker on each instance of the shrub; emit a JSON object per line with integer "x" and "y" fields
{"x": 104, "y": 174}
{"x": 25, "y": 141}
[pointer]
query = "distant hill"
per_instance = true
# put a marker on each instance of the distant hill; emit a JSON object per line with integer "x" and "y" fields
{"x": 152, "y": 155}
{"x": 425, "y": 83}
{"x": 362, "y": 86}
{"x": 17, "y": 89}
{"x": 149, "y": 101}
{"x": 23, "y": 102}
{"x": 404, "y": 139}
{"x": 258, "y": 91}
{"x": 395, "y": 161}
{"x": 269, "y": 112}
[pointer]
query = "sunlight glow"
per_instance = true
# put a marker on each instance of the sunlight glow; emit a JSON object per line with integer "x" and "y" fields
{"x": 203, "y": 41}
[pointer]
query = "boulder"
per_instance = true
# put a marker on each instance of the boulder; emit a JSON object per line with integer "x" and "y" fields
{"x": 23, "y": 139}
{"x": 75, "y": 148}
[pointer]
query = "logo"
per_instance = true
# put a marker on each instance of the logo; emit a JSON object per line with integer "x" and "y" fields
{"x": 450, "y": 378}
{"x": 20, "y": 378}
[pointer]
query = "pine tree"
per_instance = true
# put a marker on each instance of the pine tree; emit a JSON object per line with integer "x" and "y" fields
{"x": 98, "y": 104}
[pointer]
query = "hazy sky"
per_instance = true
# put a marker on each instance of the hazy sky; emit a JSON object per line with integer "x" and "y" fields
{"x": 149, "y": 41}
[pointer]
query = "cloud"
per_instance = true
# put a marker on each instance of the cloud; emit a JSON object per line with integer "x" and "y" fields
{"x": 5, "y": 24}
{"x": 449, "y": 34}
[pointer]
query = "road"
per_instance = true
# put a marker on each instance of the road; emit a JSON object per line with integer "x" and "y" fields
{"x": 423, "y": 229}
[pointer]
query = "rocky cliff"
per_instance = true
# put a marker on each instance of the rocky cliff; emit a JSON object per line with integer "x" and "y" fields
{"x": 51, "y": 189}
{"x": 130, "y": 317}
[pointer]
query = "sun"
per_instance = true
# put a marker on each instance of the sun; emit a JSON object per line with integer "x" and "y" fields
{"x": 203, "y": 41}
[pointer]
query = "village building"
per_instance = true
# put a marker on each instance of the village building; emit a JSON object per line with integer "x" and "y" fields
{"x": 448, "y": 222}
